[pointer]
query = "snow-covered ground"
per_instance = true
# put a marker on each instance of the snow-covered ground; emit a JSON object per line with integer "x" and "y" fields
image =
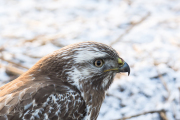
{"x": 146, "y": 33}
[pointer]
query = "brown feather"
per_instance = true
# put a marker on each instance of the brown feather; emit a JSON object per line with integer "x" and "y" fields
{"x": 48, "y": 89}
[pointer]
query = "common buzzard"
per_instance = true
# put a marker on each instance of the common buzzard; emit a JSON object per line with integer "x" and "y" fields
{"x": 68, "y": 84}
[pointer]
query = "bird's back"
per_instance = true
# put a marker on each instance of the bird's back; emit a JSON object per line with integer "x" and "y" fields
{"x": 40, "y": 100}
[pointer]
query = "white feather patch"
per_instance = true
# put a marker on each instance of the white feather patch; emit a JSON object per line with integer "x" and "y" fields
{"x": 27, "y": 106}
{"x": 86, "y": 55}
{"x": 105, "y": 82}
{"x": 75, "y": 74}
{"x": 88, "y": 116}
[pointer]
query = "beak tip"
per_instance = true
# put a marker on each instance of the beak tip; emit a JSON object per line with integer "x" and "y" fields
{"x": 125, "y": 68}
{"x": 128, "y": 70}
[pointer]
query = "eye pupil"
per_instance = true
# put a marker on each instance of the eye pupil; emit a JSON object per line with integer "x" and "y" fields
{"x": 98, "y": 63}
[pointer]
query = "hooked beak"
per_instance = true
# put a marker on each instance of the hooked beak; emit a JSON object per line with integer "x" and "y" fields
{"x": 124, "y": 68}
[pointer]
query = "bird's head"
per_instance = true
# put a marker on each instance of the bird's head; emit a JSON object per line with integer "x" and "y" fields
{"x": 86, "y": 65}
{"x": 87, "y": 68}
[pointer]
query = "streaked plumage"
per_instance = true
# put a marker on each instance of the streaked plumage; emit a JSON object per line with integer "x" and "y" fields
{"x": 64, "y": 85}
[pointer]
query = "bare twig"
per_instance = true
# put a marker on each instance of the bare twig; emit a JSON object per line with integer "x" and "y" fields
{"x": 130, "y": 28}
{"x": 157, "y": 76}
{"x": 10, "y": 69}
{"x": 163, "y": 115}
{"x": 13, "y": 63}
{"x": 46, "y": 38}
{"x": 33, "y": 56}
{"x": 108, "y": 94}
{"x": 160, "y": 76}
{"x": 33, "y": 39}
{"x": 164, "y": 84}
{"x": 144, "y": 113}
{"x": 13, "y": 70}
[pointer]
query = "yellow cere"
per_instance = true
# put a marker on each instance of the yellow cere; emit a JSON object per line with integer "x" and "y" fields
{"x": 120, "y": 61}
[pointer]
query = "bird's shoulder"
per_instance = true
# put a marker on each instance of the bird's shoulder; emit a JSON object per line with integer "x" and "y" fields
{"x": 41, "y": 100}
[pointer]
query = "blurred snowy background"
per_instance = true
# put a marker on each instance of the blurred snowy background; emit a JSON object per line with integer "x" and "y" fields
{"x": 146, "y": 33}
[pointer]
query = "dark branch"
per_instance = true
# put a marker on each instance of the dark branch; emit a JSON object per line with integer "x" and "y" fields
{"x": 161, "y": 112}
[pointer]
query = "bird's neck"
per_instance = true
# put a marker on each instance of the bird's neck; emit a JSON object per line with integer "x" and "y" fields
{"x": 93, "y": 98}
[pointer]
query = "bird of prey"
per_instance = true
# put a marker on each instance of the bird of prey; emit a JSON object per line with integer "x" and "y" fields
{"x": 68, "y": 84}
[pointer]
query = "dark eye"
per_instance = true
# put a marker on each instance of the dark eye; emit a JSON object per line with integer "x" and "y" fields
{"x": 98, "y": 63}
